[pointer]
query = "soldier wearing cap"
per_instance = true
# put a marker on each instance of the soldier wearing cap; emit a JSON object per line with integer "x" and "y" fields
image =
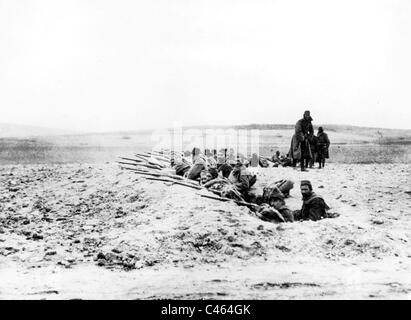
{"x": 300, "y": 148}
{"x": 314, "y": 207}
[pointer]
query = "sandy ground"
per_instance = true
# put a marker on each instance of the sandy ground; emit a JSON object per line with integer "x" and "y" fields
{"x": 99, "y": 232}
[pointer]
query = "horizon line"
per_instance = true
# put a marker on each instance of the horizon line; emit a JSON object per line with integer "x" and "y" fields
{"x": 257, "y": 125}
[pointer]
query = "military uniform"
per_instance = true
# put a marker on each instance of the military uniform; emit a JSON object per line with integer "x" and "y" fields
{"x": 314, "y": 208}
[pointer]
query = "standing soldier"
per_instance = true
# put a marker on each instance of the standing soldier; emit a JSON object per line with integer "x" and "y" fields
{"x": 300, "y": 147}
{"x": 313, "y": 141}
{"x": 323, "y": 145}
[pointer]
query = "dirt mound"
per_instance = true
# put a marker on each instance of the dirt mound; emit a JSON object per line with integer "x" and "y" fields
{"x": 177, "y": 226}
{"x": 69, "y": 214}
{"x": 115, "y": 219}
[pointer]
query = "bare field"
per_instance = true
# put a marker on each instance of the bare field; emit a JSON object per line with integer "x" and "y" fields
{"x": 73, "y": 225}
{"x": 96, "y": 231}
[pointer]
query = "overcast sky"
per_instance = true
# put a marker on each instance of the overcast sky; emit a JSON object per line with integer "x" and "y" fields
{"x": 128, "y": 65}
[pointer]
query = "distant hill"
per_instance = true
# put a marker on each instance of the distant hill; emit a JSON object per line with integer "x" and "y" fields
{"x": 22, "y": 131}
{"x": 371, "y": 132}
{"x": 8, "y": 130}
{"x": 329, "y": 127}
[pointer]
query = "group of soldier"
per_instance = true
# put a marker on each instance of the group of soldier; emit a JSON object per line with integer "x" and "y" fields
{"x": 233, "y": 179}
{"x": 306, "y": 147}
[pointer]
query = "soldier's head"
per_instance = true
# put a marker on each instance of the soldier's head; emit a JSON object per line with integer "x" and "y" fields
{"x": 213, "y": 172}
{"x": 307, "y": 115}
{"x": 306, "y": 188}
{"x": 277, "y": 202}
{"x": 277, "y": 153}
{"x": 195, "y": 152}
{"x": 232, "y": 163}
{"x": 320, "y": 129}
{"x": 205, "y": 176}
{"x": 236, "y": 172}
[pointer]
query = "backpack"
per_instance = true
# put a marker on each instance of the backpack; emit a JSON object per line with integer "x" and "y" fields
{"x": 270, "y": 191}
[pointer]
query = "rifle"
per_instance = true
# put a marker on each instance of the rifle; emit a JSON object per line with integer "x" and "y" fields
{"x": 176, "y": 182}
{"x": 252, "y": 206}
{"x": 140, "y": 164}
{"x": 130, "y": 159}
{"x": 171, "y": 176}
{"x": 148, "y": 159}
